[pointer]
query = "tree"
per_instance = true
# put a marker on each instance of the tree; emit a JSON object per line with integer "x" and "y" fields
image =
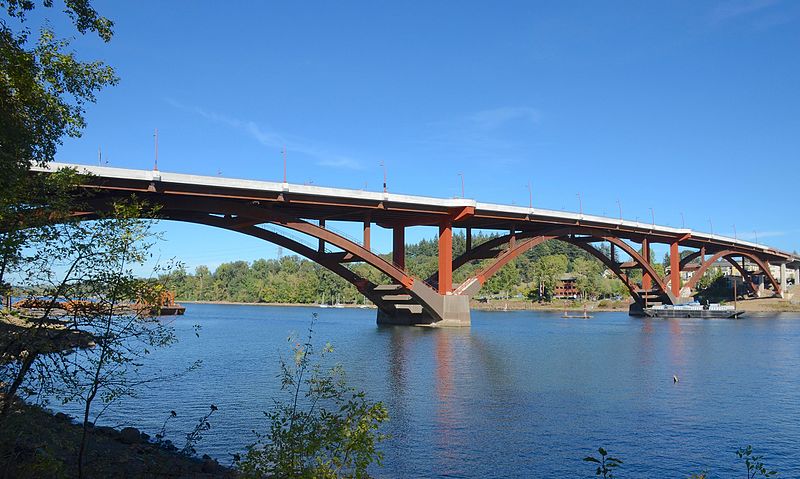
{"x": 324, "y": 429}
{"x": 43, "y": 92}
{"x": 43, "y": 86}
{"x": 80, "y": 275}
{"x": 589, "y": 273}
{"x": 547, "y": 270}
{"x": 504, "y": 280}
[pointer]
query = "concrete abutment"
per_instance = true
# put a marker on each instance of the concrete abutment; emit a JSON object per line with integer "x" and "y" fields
{"x": 453, "y": 311}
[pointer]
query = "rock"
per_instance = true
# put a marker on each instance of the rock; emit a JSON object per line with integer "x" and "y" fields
{"x": 209, "y": 466}
{"x": 107, "y": 430}
{"x": 130, "y": 435}
{"x": 145, "y": 437}
{"x": 63, "y": 417}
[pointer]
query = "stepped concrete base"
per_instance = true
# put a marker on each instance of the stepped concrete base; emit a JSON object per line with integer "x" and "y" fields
{"x": 454, "y": 312}
{"x": 636, "y": 309}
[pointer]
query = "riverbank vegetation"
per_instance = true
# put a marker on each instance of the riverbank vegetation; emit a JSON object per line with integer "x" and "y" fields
{"x": 752, "y": 464}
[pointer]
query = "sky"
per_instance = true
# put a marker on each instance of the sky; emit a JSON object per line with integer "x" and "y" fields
{"x": 684, "y": 111}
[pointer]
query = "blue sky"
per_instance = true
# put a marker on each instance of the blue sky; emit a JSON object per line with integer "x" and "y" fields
{"x": 683, "y": 107}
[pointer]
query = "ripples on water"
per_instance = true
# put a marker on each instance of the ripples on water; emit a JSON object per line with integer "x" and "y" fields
{"x": 519, "y": 394}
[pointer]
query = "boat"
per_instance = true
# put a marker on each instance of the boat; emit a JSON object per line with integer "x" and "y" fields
{"x": 338, "y": 303}
{"x": 693, "y": 310}
{"x": 164, "y": 305}
{"x": 323, "y": 304}
{"x": 364, "y": 305}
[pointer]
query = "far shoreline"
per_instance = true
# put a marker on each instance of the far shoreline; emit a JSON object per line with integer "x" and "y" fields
{"x": 758, "y": 305}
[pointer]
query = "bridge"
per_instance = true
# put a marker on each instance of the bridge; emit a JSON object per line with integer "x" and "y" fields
{"x": 289, "y": 215}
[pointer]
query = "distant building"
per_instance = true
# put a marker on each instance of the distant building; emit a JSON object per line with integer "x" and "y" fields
{"x": 566, "y": 287}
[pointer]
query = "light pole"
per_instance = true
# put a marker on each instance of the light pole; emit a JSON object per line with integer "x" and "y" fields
{"x": 712, "y": 226}
{"x": 653, "y": 217}
{"x": 756, "y": 235}
{"x": 735, "y": 236}
{"x": 580, "y": 204}
{"x": 619, "y": 205}
{"x": 462, "y": 184}
{"x": 530, "y": 196}
{"x": 683, "y": 222}
{"x": 155, "y": 166}
{"x": 383, "y": 165}
{"x": 283, "y": 153}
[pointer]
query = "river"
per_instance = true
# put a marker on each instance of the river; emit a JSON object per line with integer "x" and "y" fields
{"x": 519, "y": 394}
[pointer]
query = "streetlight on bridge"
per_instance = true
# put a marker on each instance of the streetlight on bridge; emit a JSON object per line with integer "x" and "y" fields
{"x": 711, "y": 225}
{"x": 580, "y": 204}
{"x": 462, "y": 184}
{"x": 283, "y": 154}
{"x": 530, "y": 196}
{"x": 653, "y": 216}
{"x": 383, "y": 165}
{"x": 683, "y": 221}
{"x": 619, "y": 205}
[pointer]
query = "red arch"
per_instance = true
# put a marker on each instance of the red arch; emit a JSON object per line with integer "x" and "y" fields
{"x": 728, "y": 254}
{"x": 473, "y": 284}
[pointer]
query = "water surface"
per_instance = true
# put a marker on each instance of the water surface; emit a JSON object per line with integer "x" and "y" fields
{"x": 518, "y": 394}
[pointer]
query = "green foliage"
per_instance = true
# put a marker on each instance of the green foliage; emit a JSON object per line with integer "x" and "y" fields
{"x": 547, "y": 269}
{"x": 755, "y": 466}
{"x": 43, "y": 86}
{"x": 323, "y": 429}
{"x": 709, "y": 278}
{"x": 195, "y": 435}
{"x": 290, "y": 279}
{"x": 85, "y": 273}
{"x": 44, "y": 89}
{"x": 605, "y": 464}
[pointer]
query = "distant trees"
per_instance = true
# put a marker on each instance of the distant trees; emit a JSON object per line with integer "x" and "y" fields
{"x": 291, "y": 279}
{"x": 547, "y": 269}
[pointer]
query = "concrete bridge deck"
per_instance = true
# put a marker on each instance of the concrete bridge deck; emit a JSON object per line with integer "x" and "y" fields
{"x": 243, "y": 205}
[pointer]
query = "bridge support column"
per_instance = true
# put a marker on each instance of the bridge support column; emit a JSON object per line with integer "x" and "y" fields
{"x": 675, "y": 269}
{"x": 366, "y": 241}
{"x": 445, "y": 257}
{"x": 647, "y": 282}
{"x": 321, "y": 247}
{"x": 399, "y": 246}
{"x": 783, "y": 280}
{"x": 469, "y": 239}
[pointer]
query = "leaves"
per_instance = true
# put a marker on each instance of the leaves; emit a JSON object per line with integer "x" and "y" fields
{"x": 606, "y": 464}
{"x": 323, "y": 428}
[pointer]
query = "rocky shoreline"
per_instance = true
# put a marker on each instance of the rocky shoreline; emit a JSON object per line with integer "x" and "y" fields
{"x": 35, "y": 443}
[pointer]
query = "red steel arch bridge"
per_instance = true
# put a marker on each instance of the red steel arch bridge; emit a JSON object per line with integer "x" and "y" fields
{"x": 294, "y": 217}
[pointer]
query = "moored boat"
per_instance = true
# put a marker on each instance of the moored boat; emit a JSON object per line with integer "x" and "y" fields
{"x": 693, "y": 310}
